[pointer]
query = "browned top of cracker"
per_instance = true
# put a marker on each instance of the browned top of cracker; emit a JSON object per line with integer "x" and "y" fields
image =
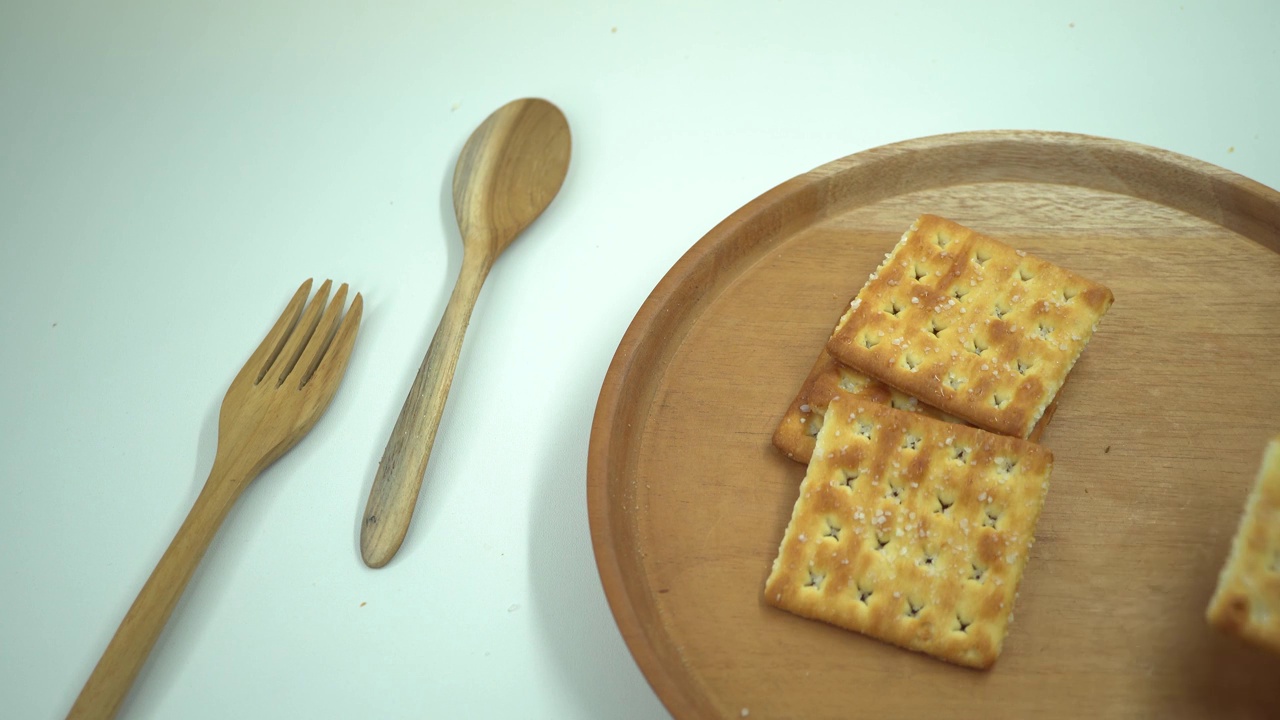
{"x": 970, "y": 325}
{"x": 912, "y": 530}
{"x": 796, "y": 431}
{"x": 1247, "y": 601}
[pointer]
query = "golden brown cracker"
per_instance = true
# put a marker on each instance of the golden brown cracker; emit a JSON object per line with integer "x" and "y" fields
{"x": 796, "y": 431}
{"x": 912, "y": 531}
{"x": 970, "y": 326}
{"x": 1247, "y": 601}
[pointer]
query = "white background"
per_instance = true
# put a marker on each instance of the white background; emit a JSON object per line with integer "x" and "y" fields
{"x": 171, "y": 171}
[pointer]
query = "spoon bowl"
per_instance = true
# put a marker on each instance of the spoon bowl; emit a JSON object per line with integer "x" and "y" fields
{"x": 509, "y": 171}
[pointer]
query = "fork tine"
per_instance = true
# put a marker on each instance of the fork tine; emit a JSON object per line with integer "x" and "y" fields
{"x": 334, "y": 361}
{"x": 320, "y": 339}
{"x": 256, "y": 366}
{"x": 288, "y": 357}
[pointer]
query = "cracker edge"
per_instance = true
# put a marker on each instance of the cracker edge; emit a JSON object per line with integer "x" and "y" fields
{"x": 1228, "y": 610}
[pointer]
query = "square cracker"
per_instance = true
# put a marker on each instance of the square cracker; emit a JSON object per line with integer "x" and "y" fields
{"x": 912, "y": 531}
{"x": 970, "y": 325}
{"x": 1247, "y": 601}
{"x": 795, "y": 433}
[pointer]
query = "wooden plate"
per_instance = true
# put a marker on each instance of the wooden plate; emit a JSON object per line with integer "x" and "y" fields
{"x": 1157, "y": 438}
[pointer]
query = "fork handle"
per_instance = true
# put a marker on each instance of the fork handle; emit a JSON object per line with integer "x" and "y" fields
{"x": 404, "y": 461}
{"x": 125, "y": 655}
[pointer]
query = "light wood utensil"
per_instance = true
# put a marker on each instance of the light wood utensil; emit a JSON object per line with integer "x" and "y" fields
{"x": 275, "y": 399}
{"x": 510, "y": 169}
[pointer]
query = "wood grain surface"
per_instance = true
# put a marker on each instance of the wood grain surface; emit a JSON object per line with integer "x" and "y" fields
{"x": 1157, "y": 437}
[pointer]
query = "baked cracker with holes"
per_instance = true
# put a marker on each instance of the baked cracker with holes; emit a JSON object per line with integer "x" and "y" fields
{"x": 911, "y": 530}
{"x": 1247, "y": 601}
{"x": 970, "y": 325}
{"x": 797, "y": 429}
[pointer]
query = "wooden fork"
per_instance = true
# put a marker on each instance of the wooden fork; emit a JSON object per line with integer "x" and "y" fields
{"x": 275, "y": 399}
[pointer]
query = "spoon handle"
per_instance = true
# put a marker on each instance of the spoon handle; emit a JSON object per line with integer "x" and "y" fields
{"x": 404, "y": 461}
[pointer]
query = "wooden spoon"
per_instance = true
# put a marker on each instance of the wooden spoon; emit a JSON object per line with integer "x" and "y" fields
{"x": 509, "y": 171}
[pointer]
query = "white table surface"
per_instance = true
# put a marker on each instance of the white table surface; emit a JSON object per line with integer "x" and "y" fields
{"x": 170, "y": 171}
